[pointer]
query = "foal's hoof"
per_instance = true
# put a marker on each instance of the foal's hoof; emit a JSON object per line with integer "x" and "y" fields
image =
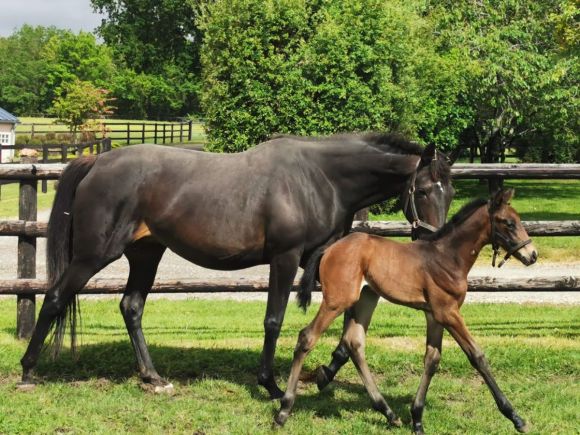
{"x": 396, "y": 422}
{"x": 158, "y": 388}
{"x": 323, "y": 377}
{"x": 525, "y": 428}
{"x": 418, "y": 429}
{"x": 281, "y": 418}
{"x": 25, "y": 386}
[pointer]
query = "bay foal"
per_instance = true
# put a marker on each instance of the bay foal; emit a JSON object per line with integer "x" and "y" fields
{"x": 427, "y": 275}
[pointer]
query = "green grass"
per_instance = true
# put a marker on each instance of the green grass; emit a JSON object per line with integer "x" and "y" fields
{"x": 210, "y": 351}
{"x": 534, "y": 200}
{"x": 9, "y": 199}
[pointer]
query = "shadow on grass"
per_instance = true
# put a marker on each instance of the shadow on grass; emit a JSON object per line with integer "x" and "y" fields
{"x": 115, "y": 362}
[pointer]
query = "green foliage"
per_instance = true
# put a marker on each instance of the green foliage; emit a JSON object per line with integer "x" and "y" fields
{"x": 318, "y": 68}
{"x": 23, "y": 88}
{"x": 79, "y": 101}
{"x": 156, "y": 46}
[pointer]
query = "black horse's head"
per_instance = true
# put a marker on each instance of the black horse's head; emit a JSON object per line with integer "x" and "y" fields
{"x": 429, "y": 193}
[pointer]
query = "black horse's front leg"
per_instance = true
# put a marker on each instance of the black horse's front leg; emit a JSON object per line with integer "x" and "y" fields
{"x": 283, "y": 270}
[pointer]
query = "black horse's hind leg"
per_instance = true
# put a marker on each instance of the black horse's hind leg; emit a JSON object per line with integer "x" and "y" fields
{"x": 340, "y": 356}
{"x": 283, "y": 270}
{"x": 144, "y": 256}
{"x": 55, "y": 302}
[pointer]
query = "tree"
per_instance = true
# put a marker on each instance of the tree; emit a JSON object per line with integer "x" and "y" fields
{"x": 322, "y": 67}
{"x": 77, "y": 102}
{"x": 23, "y": 86}
{"x": 156, "y": 45}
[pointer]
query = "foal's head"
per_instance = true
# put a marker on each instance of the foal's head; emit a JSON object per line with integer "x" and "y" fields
{"x": 429, "y": 193}
{"x": 507, "y": 230}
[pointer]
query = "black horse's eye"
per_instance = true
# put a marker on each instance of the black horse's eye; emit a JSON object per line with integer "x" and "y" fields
{"x": 421, "y": 192}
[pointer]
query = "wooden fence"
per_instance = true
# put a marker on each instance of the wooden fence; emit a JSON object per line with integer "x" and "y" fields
{"x": 125, "y": 132}
{"x": 27, "y": 229}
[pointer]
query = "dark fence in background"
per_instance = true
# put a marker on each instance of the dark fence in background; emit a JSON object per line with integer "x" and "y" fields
{"x": 28, "y": 229}
{"x": 125, "y": 132}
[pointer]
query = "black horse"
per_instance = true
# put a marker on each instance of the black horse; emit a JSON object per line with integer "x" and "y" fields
{"x": 274, "y": 204}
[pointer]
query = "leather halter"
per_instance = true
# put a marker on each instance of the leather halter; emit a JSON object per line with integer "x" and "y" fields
{"x": 496, "y": 236}
{"x": 411, "y": 200}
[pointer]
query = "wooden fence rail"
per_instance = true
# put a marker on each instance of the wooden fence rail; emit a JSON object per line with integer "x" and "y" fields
{"x": 117, "y": 286}
{"x": 380, "y": 228}
{"x": 27, "y": 230}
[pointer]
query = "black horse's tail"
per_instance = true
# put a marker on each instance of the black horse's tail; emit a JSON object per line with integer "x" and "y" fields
{"x": 309, "y": 278}
{"x": 59, "y": 245}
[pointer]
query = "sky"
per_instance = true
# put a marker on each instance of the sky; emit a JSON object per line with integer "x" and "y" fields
{"x": 65, "y": 14}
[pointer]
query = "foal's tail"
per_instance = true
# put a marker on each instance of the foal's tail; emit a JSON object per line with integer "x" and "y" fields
{"x": 59, "y": 245}
{"x": 309, "y": 278}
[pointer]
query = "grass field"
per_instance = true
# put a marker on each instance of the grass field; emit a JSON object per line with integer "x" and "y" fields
{"x": 198, "y": 133}
{"x": 210, "y": 351}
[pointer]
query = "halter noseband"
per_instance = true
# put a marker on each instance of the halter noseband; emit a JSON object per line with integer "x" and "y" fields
{"x": 411, "y": 200}
{"x": 495, "y": 236}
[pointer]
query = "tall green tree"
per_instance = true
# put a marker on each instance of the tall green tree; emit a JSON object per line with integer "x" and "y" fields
{"x": 23, "y": 87}
{"x": 156, "y": 43}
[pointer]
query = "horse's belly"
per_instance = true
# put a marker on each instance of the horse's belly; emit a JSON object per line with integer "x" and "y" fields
{"x": 212, "y": 249}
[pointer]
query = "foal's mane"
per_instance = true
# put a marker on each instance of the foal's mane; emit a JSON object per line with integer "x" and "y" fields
{"x": 458, "y": 218}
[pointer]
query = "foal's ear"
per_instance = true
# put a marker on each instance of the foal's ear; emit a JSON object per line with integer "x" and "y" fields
{"x": 454, "y": 155}
{"x": 429, "y": 154}
{"x": 502, "y": 197}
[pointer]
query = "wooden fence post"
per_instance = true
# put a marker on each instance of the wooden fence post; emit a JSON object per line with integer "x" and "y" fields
{"x": 164, "y": 133}
{"x": 27, "y": 211}
{"x": 128, "y": 134}
{"x": 190, "y": 128}
{"x": 181, "y": 132}
{"x": 362, "y": 215}
{"x": 63, "y": 153}
{"x": 143, "y": 133}
{"x": 155, "y": 134}
{"x": 107, "y": 144}
{"x": 172, "y": 132}
{"x": 44, "y": 160}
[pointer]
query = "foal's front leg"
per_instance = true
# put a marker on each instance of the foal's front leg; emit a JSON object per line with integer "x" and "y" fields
{"x": 283, "y": 270}
{"x": 455, "y": 324}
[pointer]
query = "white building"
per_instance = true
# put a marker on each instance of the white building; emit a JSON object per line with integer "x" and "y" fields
{"x": 7, "y": 134}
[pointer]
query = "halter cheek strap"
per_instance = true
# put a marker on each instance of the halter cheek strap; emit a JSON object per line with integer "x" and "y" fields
{"x": 411, "y": 201}
{"x": 495, "y": 236}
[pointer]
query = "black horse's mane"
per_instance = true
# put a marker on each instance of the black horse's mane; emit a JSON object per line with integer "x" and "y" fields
{"x": 390, "y": 143}
{"x": 458, "y": 218}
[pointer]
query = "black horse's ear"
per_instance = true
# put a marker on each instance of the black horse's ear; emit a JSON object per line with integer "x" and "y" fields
{"x": 429, "y": 154}
{"x": 454, "y": 155}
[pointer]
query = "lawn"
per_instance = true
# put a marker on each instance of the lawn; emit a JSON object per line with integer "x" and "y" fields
{"x": 198, "y": 133}
{"x": 210, "y": 351}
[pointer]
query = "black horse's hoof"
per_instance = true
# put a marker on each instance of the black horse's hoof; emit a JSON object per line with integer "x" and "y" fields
{"x": 25, "y": 386}
{"x": 324, "y": 376}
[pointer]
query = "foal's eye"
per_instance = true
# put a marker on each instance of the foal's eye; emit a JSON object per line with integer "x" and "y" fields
{"x": 510, "y": 224}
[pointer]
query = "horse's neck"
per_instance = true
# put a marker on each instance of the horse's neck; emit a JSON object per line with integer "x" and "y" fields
{"x": 369, "y": 178}
{"x": 468, "y": 239}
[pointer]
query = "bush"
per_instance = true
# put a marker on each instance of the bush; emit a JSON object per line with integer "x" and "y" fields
{"x": 319, "y": 67}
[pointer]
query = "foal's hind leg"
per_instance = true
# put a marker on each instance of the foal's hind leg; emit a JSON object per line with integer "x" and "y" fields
{"x": 354, "y": 339}
{"x": 306, "y": 341}
{"x": 144, "y": 256}
{"x": 325, "y": 374}
{"x": 55, "y": 302}
{"x": 432, "y": 358}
